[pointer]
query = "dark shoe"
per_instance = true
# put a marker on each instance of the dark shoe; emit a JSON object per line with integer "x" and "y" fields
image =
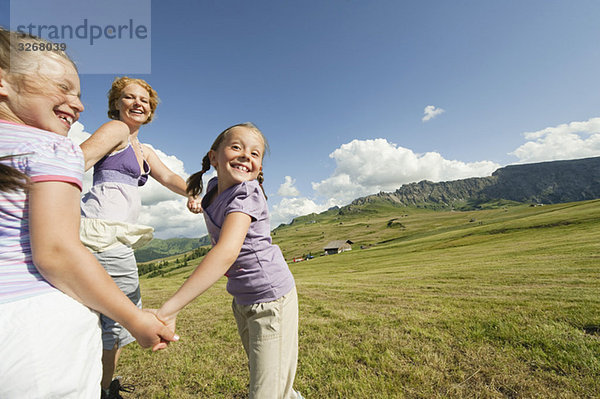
{"x": 115, "y": 387}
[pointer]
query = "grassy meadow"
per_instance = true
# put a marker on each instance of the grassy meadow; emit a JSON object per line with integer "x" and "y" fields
{"x": 496, "y": 303}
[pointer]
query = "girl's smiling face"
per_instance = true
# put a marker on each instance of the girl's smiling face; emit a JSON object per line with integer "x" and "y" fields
{"x": 238, "y": 158}
{"x": 134, "y": 105}
{"x": 48, "y": 99}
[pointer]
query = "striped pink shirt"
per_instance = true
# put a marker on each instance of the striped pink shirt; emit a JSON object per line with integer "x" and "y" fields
{"x": 43, "y": 156}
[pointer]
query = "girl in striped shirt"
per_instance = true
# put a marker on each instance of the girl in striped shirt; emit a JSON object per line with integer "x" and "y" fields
{"x": 49, "y": 281}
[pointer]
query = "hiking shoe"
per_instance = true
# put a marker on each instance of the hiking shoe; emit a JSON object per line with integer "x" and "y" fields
{"x": 115, "y": 387}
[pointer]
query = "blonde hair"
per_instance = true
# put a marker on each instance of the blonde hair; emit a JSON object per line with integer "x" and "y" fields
{"x": 116, "y": 90}
{"x": 18, "y": 64}
{"x": 194, "y": 182}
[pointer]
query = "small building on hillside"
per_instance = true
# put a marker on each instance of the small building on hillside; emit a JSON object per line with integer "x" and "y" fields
{"x": 338, "y": 246}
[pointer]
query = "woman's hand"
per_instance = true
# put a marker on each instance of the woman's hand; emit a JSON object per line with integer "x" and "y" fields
{"x": 194, "y": 204}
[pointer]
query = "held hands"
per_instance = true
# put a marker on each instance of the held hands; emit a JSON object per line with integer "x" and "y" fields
{"x": 151, "y": 332}
{"x": 194, "y": 204}
{"x": 168, "y": 320}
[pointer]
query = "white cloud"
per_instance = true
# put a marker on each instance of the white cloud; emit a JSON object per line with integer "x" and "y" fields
{"x": 365, "y": 167}
{"x": 368, "y": 166}
{"x": 566, "y": 141}
{"x": 289, "y": 208}
{"x": 77, "y": 133}
{"x": 153, "y": 192}
{"x": 171, "y": 218}
{"x": 287, "y": 189}
{"x": 161, "y": 208}
{"x": 431, "y": 112}
{"x": 340, "y": 189}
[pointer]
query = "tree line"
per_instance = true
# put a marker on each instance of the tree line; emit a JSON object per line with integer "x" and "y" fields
{"x": 161, "y": 267}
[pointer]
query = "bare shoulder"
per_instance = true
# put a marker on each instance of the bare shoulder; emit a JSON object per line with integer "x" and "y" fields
{"x": 113, "y": 135}
{"x": 114, "y": 128}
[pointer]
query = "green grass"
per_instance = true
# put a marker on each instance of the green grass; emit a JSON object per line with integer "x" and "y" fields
{"x": 497, "y": 303}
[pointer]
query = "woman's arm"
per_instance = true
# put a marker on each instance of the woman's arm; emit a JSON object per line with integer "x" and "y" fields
{"x": 169, "y": 179}
{"x": 214, "y": 265}
{"x": 163, "y": 174}
{"x": 110, "y": 137}
{"x": 64, "y": 262}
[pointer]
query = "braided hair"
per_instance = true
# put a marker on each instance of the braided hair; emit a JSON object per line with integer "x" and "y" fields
{"x": 194, "y": 182}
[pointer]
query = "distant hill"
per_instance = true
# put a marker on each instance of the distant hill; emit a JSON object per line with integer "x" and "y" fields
{"x": 545, "y": 182}
{"x": 158, "y": 248}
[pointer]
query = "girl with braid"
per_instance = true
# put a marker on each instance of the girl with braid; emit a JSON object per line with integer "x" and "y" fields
{"x": 265, "y": 304}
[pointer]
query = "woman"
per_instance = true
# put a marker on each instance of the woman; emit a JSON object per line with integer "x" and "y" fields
{"x": 110, "y": 210}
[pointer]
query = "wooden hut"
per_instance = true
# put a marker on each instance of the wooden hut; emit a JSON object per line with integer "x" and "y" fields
{"x": 338, "y": 246}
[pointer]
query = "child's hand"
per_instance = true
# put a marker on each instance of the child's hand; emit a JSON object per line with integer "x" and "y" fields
{"x": 151, "y": 332}
{"x": 168, "y": 320}
{"x": 163, "y": 343}
{"x": 194, "y": 204}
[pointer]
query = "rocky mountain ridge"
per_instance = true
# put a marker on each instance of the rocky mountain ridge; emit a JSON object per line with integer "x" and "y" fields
{"x": 544, "y": 182}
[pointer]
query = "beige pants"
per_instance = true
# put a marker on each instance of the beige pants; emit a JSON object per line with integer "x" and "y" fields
{"x": 269, "y": 333}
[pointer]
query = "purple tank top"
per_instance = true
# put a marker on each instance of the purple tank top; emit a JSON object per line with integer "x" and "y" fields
{"x": 121, "y": 167}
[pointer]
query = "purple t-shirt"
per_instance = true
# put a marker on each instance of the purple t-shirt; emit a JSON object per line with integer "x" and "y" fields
{"x": 260, "y": 273}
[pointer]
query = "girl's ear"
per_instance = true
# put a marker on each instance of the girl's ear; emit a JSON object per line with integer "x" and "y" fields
{"x": 212, "y": 155}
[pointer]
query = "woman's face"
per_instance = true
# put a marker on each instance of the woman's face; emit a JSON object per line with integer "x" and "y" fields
{"x": 47, "y": 99}
{"x": 134, "y": 105}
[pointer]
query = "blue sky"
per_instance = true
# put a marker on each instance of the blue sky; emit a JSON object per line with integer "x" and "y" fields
{"x": 340, "y": 89}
